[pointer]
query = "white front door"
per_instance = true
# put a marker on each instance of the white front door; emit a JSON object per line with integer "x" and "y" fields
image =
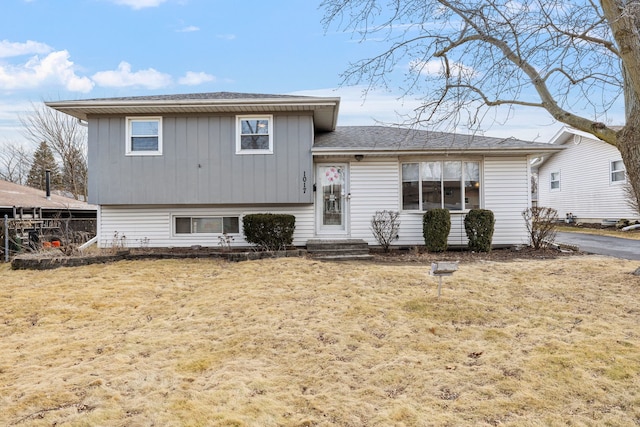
{"x": 332, "y": 197}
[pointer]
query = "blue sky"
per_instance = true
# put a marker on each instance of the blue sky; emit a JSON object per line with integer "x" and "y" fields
{"x": 79, "y": 49}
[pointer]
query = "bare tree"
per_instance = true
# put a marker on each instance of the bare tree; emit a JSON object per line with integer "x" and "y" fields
{"x": 68, "y": 140}
{"x": 385, "y": 226}
{"x": 14, "y": 163}
{"x": 542, "y": 226}
{"x": 464, "y": 56}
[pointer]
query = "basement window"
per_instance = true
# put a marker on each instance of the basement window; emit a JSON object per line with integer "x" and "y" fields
{"x": 206, "y": 224}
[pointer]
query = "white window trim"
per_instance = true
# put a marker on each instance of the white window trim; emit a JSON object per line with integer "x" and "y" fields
{"x": 239, "y": 119}
{"x": 551, "y": 181}
{"x": 611, "y": 171}
{"x": 199, "y": 235}
{"x": 128, "y": 150}
{"x": 463, "y": 160}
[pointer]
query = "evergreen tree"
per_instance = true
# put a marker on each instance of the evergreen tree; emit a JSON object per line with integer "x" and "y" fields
{"x": 43, "y": 160}
{"x": 67, "y": 138}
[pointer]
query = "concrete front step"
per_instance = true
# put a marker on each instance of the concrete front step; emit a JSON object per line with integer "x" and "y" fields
{"x": 338, "y": 249}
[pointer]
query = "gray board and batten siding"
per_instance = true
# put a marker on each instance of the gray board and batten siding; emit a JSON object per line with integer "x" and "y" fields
{"x": 199, "y": 165}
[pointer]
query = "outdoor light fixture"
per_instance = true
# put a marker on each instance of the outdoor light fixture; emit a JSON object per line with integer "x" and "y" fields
{"x": 359, "y": 157}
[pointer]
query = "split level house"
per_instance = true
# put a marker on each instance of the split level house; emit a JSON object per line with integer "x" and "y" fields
{"x": 585, "y": 182}
{"x": 181, "y": 170}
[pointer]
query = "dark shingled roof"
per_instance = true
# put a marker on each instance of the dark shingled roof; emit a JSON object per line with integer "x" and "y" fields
{"x": 200, "y": 96}
{"x": 324, "y": 109}
{"x": 385, "y": 138}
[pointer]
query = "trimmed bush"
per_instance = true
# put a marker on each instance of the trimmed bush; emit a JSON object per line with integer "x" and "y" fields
{"x": 270, "y": 232}
{"x": 436, "y": 225}
{"x": 479, "y": 226}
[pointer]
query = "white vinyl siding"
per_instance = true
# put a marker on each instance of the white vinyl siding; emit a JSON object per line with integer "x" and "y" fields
{"x": 587, "y": 191}
{"x": 374, "y": 187}
{"x": 152, "y": 225}
{"x": 507, "y": 193}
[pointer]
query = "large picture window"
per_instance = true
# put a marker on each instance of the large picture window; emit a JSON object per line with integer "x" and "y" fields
{"x": 255, "y": 135}
{"x": 454, "y": 185}
{"x": 207, "y": 225}
{"x": 144, "y": 136}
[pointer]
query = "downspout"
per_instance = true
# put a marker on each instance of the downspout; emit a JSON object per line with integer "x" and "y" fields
{"x": 47, "y": 183}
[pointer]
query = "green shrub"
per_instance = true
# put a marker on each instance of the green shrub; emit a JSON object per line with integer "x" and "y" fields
{"x": 436, "y": 225}
{"x": 479, "y": 225}
{"x": 270, "y": 232}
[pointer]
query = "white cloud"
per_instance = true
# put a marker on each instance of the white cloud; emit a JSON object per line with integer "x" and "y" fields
{"x": 193, "y": 79}
{"x": 189, "y": 29}
{"x": 11, "y": 130}
{"x": 123, "y": 77}
{"x": 9, "y": 49}
{"x": 139, "y": 4}
{"x": 55, "y": 68}
{"x": 226, "y": 36}
{"x": 436, "y": 67}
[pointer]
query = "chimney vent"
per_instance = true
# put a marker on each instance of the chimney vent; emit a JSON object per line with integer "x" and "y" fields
{"x": 47, "y": 183}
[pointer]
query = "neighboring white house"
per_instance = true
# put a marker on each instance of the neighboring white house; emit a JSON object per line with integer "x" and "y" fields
{"x": 181, "y": 170}
{"x": 586, "y": 180}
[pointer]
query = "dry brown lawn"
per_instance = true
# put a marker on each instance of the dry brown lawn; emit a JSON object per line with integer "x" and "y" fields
{"x": 298, "y": 342}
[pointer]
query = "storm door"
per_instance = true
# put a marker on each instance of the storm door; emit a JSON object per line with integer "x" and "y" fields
{"x": 332, "y": 198}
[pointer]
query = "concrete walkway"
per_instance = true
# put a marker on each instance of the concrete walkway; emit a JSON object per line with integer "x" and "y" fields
{"x": 602, "y": 245}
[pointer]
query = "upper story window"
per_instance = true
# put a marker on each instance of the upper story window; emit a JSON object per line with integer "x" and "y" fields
{"x": 144, "y": 136}
{"x": 454, "y": 185}
{"x": 554, "y": 180}
{"x": 254, "y": 135}
{"x": 618, "y": 172}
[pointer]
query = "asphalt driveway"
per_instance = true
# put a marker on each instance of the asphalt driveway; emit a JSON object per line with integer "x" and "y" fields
{"x": 602, "y": 245}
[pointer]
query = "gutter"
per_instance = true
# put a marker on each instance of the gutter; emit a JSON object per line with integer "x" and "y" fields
{"x": 431, "y": 151}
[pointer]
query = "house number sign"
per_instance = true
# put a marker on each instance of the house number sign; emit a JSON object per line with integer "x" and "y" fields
{"x": 304, "y": 182}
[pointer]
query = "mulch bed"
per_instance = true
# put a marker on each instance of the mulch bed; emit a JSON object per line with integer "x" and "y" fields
{"x": 54, "y": 259}
{"x": 465, "y": 256}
